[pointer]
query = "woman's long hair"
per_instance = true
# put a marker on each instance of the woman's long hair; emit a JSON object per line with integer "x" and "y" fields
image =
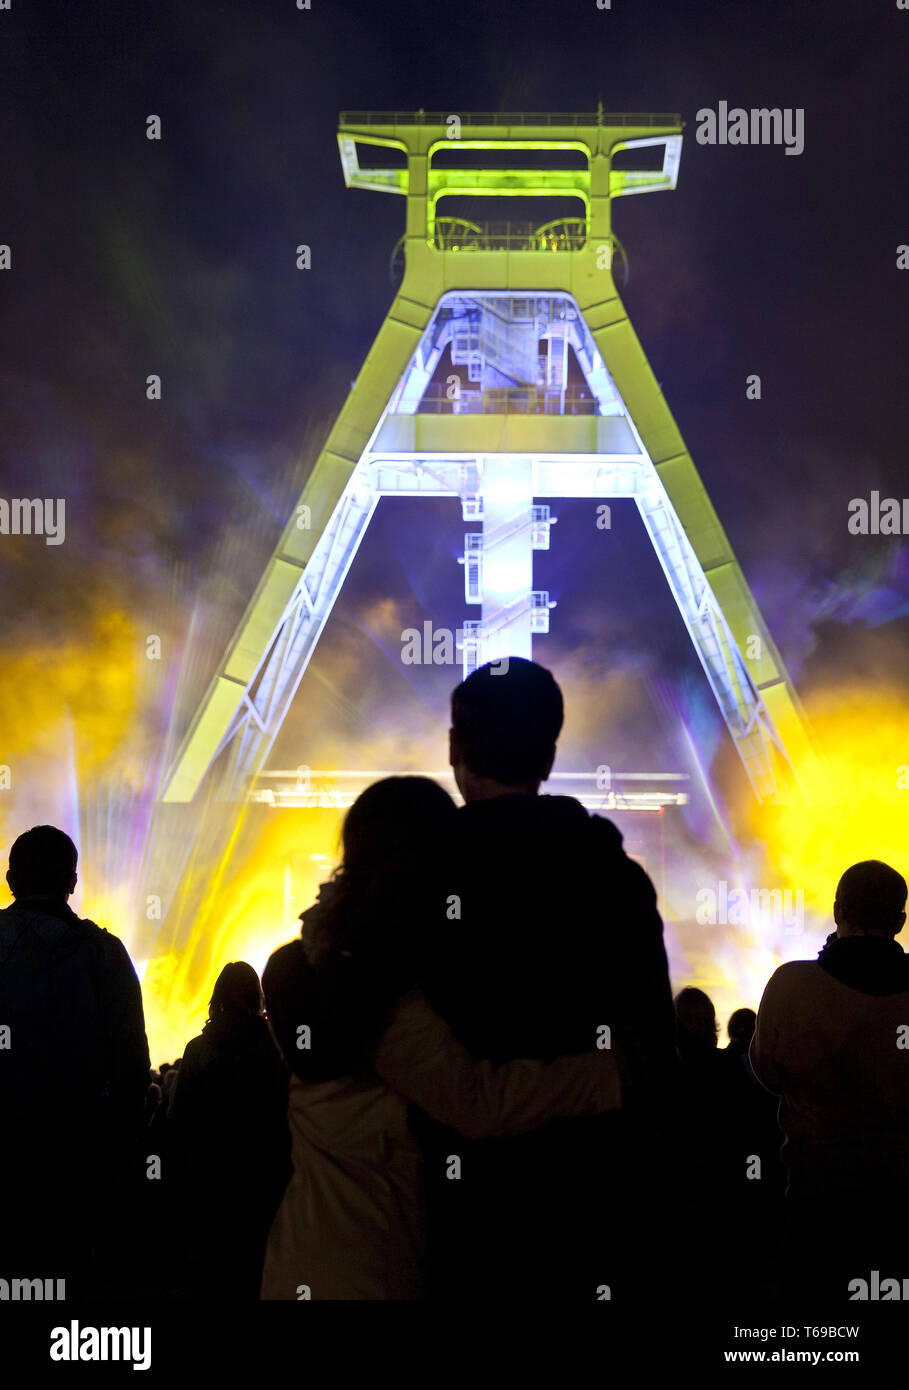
{"x": 376, "y": 915}
{"x": 235, "y": 1010}
{"x": 237, "y": 993}
{"x": 394, "y": 842}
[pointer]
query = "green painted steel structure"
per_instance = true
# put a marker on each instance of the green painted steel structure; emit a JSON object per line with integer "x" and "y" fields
{"x": 445, "y": 262}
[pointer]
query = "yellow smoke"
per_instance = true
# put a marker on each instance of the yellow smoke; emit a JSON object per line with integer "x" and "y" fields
{"x": 87, "y": 681}
{"x": 862, "y": 735}
{"x": 266, "y": 877}
{"x": 248, "y": 911}
{"x": 859, "y": 810}
{"x": 75, "y": 732}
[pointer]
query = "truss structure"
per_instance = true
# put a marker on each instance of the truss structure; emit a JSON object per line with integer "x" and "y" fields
{"x": 507, "y": 374}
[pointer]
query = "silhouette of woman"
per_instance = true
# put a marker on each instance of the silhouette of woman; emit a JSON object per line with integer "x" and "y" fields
{"x": 228, "y": 1112}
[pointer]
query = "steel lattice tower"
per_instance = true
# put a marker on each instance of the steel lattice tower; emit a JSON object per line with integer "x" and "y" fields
{"x": 512, "y": 303}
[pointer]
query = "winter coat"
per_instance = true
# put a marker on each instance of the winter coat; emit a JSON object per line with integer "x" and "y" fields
{"x": 73, "y": 1077}
{"x": 78, "y": 1052}
{"x": 827, "y": 1042}
{"x": 351, "y": 1224}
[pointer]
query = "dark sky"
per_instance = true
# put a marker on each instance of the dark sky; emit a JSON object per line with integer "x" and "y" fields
{"x": 177, "y": 257}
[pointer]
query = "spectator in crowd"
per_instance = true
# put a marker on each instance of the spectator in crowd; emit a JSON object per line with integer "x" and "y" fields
{"x": 740, "y": 1030}
{"x": 758, "y": 1175}
{"x": 73, "y": 1077}
{"x": 227, "y": 1109}
{"x": 152, "y": 1103}
{"x": 697, "y": 1030}
{"x": 552, "y": 940}
{"x": 168, "y": 1083}
{"x": 707, "y": 1148}
{"x": 831, "y": 1042}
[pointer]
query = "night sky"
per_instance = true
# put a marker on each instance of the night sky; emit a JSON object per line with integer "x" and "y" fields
{"x": 177, "y": 257}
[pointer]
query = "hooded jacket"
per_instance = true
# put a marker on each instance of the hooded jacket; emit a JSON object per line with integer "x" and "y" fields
{"x": 831, "y": 1041}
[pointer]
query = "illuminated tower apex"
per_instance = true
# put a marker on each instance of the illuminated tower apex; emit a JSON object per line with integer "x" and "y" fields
{"x": 506, "y": 373}
{"x": 444, "y": 157}
{"x": 514, "y": 350}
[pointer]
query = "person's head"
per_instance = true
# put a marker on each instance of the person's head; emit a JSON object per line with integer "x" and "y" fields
{"x": 237, "y": 994}
{"x": 870, "y": 900}
{"x": 383, "y": 895}
{"x": 395, "y": 822}
{"x": 42, "y": 863}
{"x": 741, "y": 1028}
{"x": 386, "y": 899}
{"x": 505, "y": 721}
{"x": 695, "y": 1017}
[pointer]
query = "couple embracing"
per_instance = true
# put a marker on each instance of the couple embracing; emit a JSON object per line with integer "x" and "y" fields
{"x": 478, "y": 1021}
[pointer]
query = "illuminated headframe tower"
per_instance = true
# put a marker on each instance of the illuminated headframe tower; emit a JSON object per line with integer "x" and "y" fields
{"x": 545, "y": 392}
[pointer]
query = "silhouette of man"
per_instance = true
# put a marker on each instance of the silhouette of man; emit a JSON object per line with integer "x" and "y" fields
{"x": 550, "y": 943}
{"x": 74, "y": 1069}
{"x": 831, "y": 1041}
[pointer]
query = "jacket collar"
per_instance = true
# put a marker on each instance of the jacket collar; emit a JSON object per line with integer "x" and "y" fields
{"x": 872, "y": 964}
{"x": 46, "y": 907}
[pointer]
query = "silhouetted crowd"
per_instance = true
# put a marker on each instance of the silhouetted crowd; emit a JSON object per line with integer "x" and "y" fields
{"x": 466, "y": 1080}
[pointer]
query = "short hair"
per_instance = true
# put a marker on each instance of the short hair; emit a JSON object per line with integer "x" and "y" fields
{"x": 872, "y": 895}
{"x": 695, "y": 1014}
{"x": 42, "y": 861}
{"x": 507, "y": 721}
{"x": 741, "y": 1024}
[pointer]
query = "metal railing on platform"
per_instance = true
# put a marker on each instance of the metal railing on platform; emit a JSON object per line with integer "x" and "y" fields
{"x": 506, "y": 118}
{"x": 510, "y": 236}
{"x": 321, "y": 789}
{"x": 506, "y": 400}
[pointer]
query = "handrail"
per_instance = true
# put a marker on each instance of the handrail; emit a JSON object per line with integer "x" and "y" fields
{"x": 511, "y": 236}
{"x": 494, "y": 118}
{"x": 509, "y": 400}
